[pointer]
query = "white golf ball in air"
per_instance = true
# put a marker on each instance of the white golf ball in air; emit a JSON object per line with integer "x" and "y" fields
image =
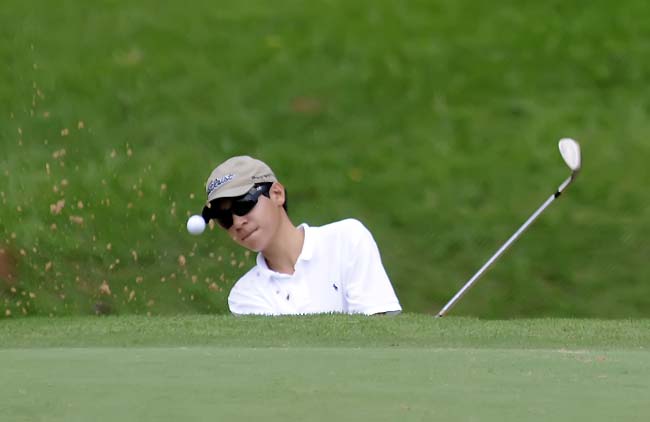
{"x": 195, "y": 225}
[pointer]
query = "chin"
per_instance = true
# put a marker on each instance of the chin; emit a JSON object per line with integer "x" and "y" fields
{"x": 253, "y": 243}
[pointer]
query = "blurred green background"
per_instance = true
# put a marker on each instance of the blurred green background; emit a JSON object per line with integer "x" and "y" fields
{"x": 433, "y": 122}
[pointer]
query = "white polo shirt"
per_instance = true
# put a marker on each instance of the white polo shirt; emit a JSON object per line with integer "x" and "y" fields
{"x": 339, "y": 270}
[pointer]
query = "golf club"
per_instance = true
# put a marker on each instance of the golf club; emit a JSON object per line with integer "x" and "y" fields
{"x": 570, "y": 150}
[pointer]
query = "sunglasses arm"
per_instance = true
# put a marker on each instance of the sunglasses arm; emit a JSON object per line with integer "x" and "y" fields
{"x": 206, "y": 214}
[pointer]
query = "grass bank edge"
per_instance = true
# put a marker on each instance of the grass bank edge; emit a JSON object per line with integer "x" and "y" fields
{"x": 404, "y": 331}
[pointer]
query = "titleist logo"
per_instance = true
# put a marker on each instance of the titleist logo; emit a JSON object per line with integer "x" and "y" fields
{"x": 219, "y": 181}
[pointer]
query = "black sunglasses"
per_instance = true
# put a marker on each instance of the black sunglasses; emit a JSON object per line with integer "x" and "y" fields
{"x": 240, "y": 206}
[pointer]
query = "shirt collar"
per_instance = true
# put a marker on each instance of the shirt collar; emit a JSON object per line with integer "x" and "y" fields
{"x": 307, "y": 244}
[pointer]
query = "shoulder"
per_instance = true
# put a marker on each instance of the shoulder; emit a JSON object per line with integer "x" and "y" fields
{"x": 349, "y": 226}
{"x": 348, "y": 234}
{"x": 349, "y": 230}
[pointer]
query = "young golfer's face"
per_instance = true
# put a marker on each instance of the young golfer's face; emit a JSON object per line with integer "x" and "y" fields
{"x": 256, "y": 229}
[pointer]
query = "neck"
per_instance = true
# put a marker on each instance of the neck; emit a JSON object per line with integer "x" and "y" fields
{"x": 283, "y": 252}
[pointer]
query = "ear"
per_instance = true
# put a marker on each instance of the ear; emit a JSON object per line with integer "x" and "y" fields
{"x": 277, "y": 193}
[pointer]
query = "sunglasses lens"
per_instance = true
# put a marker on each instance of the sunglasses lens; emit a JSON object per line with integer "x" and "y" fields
{"x": 224, "y": 218}
{"x": 241, "y": 208}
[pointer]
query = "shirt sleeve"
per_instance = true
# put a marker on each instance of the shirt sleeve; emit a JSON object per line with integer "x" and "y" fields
{"x": 368, "y": 288}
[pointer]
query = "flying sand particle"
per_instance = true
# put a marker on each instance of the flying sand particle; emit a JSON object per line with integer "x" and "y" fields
{"x": 56, "y": 208}
{"x": 76, "y": 219}
{"x": 104, "y": 288}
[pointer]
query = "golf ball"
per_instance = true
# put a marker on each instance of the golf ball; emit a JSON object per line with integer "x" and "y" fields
{"x": 195, "y": 225}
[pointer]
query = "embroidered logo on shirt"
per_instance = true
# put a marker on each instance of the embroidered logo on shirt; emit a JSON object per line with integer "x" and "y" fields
{"x": 335, "y": 287}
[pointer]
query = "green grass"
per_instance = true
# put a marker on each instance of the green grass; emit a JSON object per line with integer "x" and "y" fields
{"x": 323, "y": 368}
{"x": 408, "y": 330}
{"x": 434, "y": 122}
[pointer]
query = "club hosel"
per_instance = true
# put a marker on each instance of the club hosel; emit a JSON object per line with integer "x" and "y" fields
{"x": 564, "y": 184}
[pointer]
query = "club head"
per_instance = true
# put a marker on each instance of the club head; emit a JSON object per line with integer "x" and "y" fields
{"x": 570, "y": 150}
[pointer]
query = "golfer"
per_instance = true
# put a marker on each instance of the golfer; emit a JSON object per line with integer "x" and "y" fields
{"x": 334, "y": 268}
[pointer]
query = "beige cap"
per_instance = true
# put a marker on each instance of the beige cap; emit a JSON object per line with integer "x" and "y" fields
{"x": 236, "y": 176}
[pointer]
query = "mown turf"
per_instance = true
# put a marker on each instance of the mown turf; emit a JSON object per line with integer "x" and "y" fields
{"x": 316, "y": 384}
{"x": 408, "y": 330}
{"x": 324, "y": 368}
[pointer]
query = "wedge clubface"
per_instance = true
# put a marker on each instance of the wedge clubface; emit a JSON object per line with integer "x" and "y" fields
{"x": 570, "y": 151}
